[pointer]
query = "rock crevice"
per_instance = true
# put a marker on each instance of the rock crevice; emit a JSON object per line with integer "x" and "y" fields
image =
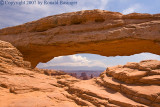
{"x": 70, "y": 33}
{"x": 94, "y": 31}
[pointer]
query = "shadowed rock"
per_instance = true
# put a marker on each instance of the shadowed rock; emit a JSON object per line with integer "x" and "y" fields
{"x": 92, "y": 31}
{"x": 131, "y": 85}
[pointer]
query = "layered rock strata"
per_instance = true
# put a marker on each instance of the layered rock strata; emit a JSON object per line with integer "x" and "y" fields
{"x": 130, "y": 85}
{"x": 92, "y": 31}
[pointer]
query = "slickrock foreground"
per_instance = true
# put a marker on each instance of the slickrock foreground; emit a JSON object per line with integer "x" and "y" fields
{"x": 92, "y": 31}
{"x": 131, "y": 85}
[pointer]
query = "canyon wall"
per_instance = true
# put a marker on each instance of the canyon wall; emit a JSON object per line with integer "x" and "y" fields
{"x": 130, "y": 85}
{"x": 92, "y": 31}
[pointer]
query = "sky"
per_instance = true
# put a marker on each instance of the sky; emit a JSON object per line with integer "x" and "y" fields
{"x": 19, "y": 14}
{"x": 11, "y": 15}
{"x": 93, "y": 60}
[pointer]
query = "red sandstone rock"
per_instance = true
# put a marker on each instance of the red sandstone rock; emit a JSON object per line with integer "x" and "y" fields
{"x": 21, "y": 85}
{"x": 101, "y": 32}
{"x": 92, "y": 31}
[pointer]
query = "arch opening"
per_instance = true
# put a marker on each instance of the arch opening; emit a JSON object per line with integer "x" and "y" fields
{"x": 86, "y": 66}
{"x": 122, "y": 47}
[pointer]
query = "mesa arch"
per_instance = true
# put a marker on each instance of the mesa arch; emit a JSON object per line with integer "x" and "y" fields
{"x": 92, "y": 31}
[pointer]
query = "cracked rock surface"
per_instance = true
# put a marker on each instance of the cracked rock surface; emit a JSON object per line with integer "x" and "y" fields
{"x": 130, "y": 85}
{"x": 90, "y": 31}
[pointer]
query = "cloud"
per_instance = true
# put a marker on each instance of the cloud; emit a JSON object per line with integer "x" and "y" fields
{"x": 131, "y": 9}
{"x": 122, "y": 60}
{"x": 147, "y": 56}
{"x": 103, "y": 4}
{"x": 72, "y": 60}
{"x": 26, "y": 13}
{"x": 93, "y": 60}
{"x": 124, "y": 1}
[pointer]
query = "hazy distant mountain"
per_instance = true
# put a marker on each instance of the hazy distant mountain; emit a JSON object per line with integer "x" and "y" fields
{"x": 75, "y": 68}
{"x": 95, "y": 73}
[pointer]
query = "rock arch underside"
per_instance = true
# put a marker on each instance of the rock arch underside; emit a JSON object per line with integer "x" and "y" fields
{"x": 100, "y": 32}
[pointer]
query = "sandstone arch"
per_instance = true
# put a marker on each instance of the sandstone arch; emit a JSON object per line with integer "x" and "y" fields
{"x": 130, "y": 85}
{"x": 92, "y": 31}
{"x": 102, "y": 32}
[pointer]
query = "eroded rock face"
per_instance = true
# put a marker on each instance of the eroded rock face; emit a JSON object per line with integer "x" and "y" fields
{"x": 138, "y": 81}
{"x": 96, "y": 31}
{"x": 145, "y": 72}
{"x": 10, "y": 56}
{"x": 92, "y": 31}
{"x": 131, "y": 85}
{"x": 22, "y": 86}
